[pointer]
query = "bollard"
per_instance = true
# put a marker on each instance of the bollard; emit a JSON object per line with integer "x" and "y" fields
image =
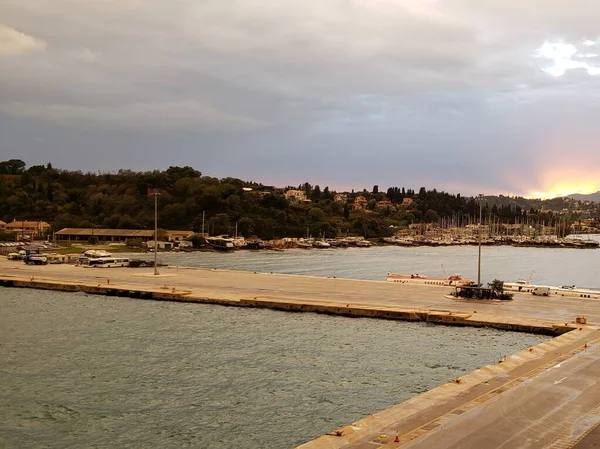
{"x": 107, "y": 280}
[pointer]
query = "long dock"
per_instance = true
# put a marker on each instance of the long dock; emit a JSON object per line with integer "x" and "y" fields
{"x": 545, "y": 396}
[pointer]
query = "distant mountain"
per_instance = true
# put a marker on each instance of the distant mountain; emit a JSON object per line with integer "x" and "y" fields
{"x": 588, "y": 197}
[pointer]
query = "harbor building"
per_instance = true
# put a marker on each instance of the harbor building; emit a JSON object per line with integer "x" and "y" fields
{"x": 117, "y": 235}
{"x": 29, "y": 228}
{"x": 102, "y": 235}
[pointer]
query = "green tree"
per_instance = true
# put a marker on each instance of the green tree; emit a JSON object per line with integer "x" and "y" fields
{"x": 246, "y": 226}
{"x": 316, "y": 214}
{"x": 497, "y": 285}
{"x": 431, "y": 216}
{"x": 12, "y": 167}
{"x": 316, "y": 194}
{"x": 221, "y": 224}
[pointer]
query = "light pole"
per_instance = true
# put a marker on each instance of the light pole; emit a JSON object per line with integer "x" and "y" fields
{"x": 155, "y": 193}
{"x": 479, "y": 258}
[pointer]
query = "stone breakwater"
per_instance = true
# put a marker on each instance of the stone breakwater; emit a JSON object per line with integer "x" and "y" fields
{"x": 447, "y": 317}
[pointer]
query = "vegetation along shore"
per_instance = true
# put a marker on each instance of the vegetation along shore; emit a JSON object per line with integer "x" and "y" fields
{"x": 192, "y": 201}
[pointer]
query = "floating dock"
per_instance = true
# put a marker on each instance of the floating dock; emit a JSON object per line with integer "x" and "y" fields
{"x": 545, "y": 396}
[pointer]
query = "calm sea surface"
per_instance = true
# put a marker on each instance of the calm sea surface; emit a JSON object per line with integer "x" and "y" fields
{"x": 81, "y": 371}
{"x": 550, "y": 266}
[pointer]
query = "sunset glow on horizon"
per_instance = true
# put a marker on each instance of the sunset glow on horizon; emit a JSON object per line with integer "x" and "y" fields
{"x": 565, "y": 187}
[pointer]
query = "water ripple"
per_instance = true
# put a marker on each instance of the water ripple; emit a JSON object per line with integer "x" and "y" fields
{"x": 89, "y": 371}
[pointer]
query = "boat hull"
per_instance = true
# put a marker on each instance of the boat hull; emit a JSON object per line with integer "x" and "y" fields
{"x": 450, "y": 281}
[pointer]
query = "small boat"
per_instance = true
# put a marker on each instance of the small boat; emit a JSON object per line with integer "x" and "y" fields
{"x": 304, "y": 244}
{"x": 221, "y": 243}
{"x": 567, "y": 291}
{"x": 453, "y": 280}
{"x": 395, "y": 240}
{"x": 524, "y": 286}
{"x": 239, "y": 242}
{"x": 321, "y": 244}
{"x": 255, "y": 244}
{"x": 107, "y": 262}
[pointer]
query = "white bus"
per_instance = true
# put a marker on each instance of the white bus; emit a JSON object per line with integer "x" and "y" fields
{"x": 107, "y": 262}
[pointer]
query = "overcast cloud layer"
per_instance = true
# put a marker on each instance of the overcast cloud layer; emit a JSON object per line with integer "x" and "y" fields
{"x": 494, "y": 96}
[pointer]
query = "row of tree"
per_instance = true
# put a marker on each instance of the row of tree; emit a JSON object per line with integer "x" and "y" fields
{"x": 189, "y": 200}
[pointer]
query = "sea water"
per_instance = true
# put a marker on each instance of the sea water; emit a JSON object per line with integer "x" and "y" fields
{"x": 81, "y": 371}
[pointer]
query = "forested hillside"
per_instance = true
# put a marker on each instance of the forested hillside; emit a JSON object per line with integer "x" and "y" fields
{"x": 122, "y": 200}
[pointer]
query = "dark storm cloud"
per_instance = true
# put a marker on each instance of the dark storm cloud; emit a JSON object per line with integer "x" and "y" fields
{"x": 452, "y": 94}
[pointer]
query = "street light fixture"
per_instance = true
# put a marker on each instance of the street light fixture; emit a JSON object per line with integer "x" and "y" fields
{"x": 155, "y": 193}
{"x": 479, "y": 258}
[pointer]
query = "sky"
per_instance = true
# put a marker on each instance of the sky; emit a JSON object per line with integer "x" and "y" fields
{"x": 466, "y": 96}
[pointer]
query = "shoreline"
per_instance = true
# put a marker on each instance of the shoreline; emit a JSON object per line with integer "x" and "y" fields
{"x": 283, "y": 244}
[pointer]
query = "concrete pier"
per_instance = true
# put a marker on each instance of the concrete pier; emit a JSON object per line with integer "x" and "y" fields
{"x": 545, "y": 396}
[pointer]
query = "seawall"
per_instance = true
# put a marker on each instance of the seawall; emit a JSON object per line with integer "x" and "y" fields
{"x": 563, "y": 370}
{"x": 445, "y": 317}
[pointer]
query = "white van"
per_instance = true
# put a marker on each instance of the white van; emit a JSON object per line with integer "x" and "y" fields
{"x": 541, "y": 291}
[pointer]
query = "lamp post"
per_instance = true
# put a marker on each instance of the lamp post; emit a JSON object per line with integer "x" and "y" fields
{"x": 155, "y": 193}
{"x": 479, "y": 258}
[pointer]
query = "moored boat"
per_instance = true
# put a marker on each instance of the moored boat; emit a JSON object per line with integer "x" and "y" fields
{"x": 304, "y": 244}
{"x": 453, "y": 280}
{"x": 321, "y": 244}
{"x": 255, "y": 244}
{"x": 335, "y": 243}
{"x": 569, "y": 291}
{"x": 107, "y": 262}
{"x": 524, "y": 286}
{"x": 221, "y": 243}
